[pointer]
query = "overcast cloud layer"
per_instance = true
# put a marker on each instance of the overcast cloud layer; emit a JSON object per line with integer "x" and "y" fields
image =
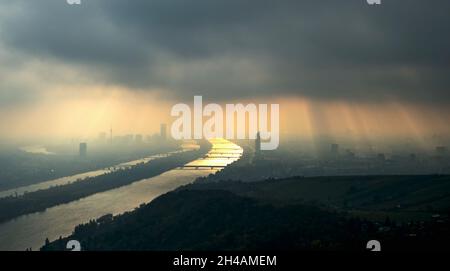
{"x": 235, "y": 48}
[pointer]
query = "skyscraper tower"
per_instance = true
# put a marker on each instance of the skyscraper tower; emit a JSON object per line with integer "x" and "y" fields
{"x": 334, "y": 149}
{"x": 258, "y": 143}
{"x": 110, "y": 135}
{"x": 83, "y": 149}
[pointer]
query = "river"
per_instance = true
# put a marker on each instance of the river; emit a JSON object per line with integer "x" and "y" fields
{"x": 69, "y": 179}
{"x": 30, "y": 231}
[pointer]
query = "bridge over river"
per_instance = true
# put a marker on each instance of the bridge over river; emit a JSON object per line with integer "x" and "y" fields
{"x": 31, "y": 230}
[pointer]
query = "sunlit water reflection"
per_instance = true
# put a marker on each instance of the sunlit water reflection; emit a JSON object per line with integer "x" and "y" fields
{"x": 31, "y": 230}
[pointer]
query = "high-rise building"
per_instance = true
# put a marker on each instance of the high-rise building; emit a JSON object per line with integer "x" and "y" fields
{"x": 334, "y": 149}
{"x": 163, "y": 132}
{"x": 258, "y": 143}
{"x": 83, "y": 149}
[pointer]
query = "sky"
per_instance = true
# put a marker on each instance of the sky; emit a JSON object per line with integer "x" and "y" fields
{"x": 336, "y": 67}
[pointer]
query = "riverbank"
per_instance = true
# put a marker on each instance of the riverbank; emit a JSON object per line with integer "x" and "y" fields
{"x": 12, "y": 206}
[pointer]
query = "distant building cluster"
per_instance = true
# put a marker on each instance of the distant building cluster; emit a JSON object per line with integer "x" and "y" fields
{"x": 133, "y": 138}
{"x": 330, "y": 160}
{"x": 107, "y": 139}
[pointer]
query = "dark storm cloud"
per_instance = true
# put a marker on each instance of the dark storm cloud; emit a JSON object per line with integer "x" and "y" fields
{"x": 242, "y": 48}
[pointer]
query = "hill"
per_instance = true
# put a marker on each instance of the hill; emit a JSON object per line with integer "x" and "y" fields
{"x": 290, "y": 214}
